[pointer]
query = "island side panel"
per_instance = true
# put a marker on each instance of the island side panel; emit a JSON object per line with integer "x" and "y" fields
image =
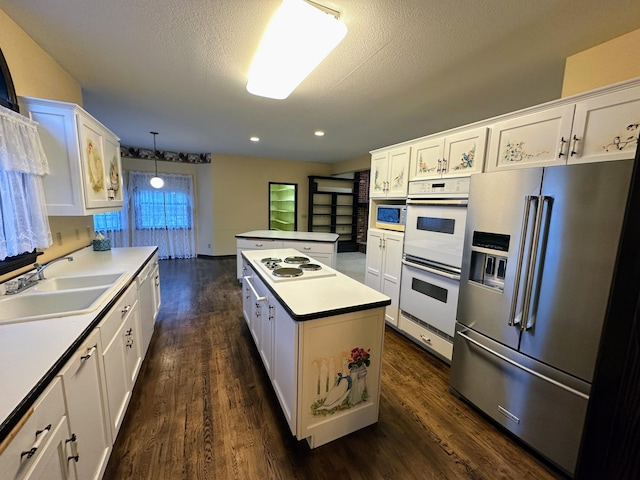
{"x": 339, "y": 375}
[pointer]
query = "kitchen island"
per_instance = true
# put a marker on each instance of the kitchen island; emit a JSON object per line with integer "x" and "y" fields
{"x": 321, "y": 246}
{"x": 320, "y": 337}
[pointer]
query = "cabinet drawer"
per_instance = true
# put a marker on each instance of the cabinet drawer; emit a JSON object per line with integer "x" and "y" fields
{"x": 309, "y": 247}
{"x": 257, "y": 244}
{"x": 36, "y": 433}
{"x": 111, "y": 323}
{"x": 426, "y": 338}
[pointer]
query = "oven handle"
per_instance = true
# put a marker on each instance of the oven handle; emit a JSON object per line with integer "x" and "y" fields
{"x": 435, "y": 271}
{"x": 452, "y": 203}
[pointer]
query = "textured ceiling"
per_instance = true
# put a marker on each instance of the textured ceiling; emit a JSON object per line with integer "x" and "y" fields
{"x": 406, "y": 68}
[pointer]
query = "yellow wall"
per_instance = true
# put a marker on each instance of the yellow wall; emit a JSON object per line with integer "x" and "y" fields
{"x": 240, "y": 189}
{"x": 357, "y": 164}
{"x": 610, "y": 62}
{"x": 36, "y": 74}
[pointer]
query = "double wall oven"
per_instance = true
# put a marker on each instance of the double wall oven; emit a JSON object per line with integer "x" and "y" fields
{"x": 433, "y": 243}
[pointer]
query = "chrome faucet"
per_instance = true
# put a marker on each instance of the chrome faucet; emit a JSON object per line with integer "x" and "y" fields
{"x": 40, "y": 268}
{"x": 29, "y": 281}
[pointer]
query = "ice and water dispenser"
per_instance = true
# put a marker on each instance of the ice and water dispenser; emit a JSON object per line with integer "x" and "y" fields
{"x": 489, "y": 259}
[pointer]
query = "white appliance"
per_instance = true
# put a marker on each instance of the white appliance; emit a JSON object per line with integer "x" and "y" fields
{"x": 433, "y": 246}
{"x": 391, "y": 217}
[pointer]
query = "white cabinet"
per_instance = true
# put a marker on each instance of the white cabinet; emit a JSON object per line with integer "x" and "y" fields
{"x": 41, "y": 445}
{"x": 323, "y": 252}
{"x": 84, "y": 159}
{"x": 284, "y": 370}
{"x": 458, "y": 154}
{"x": 149, "y": 298}
{"x": 86, "y": 408}
{"x": 384, "y": 266}
{"x": 121, "y": 356}
{"x": 390, "y": 173}
{"x": 606, "y": 127}
{"x": 597, "y": 128}
{"x": 532, "y": 140}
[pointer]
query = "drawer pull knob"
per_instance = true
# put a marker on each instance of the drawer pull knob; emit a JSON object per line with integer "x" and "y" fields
{"x": 126, "y": 309}
{"x": 74, "y": 458}
{"x": 72, "y": 439}
{"x": 425, "y": 339}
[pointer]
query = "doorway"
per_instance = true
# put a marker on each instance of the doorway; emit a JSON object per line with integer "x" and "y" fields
{"x": 283, "y": 206}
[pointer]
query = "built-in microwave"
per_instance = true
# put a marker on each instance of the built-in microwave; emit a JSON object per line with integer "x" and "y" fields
{"x": 391, "y": 217}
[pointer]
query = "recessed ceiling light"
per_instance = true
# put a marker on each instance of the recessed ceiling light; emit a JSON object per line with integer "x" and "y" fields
{"x": 255, "y": 139}
{"x": 319, "y": 133}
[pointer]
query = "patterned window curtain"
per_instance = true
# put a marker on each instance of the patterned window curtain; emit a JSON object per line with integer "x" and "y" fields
{"x": 24, "y": 225}
{"x": 163, "y": 217}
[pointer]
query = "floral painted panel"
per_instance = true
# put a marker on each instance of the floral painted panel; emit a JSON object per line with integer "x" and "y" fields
{"x": 343, "y": 389}
{"x": 624, "y": 141}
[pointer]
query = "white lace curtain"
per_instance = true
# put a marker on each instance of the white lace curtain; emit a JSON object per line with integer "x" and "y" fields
{"x": 23, "y": 216}
{"x": 162, "y": 217}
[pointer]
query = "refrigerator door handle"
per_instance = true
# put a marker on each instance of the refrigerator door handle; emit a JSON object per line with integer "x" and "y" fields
{"x": 529, "y": 199}
{"x": 522, "y": 367}
{"x": 527, "y": 321}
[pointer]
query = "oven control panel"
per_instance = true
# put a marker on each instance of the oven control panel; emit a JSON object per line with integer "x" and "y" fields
{"x": 449, "y": 187}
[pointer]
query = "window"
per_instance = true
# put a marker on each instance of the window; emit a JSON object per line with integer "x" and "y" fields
{"x": 163, "y": 209}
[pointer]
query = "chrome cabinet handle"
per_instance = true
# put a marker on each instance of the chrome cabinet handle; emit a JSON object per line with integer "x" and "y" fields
{"x": 258, "y": 297}
{"x": 561, "y": 152}
{"x": 125, "y": 309}
{"x": 90, "y": 352}
{"x": 425, "y": 339}
{"x": 439, "y": 169}
{"x": 444, "y": 164}
{"x": 39, "y": 439}
{"x": 522, "y": 367}
{"x": 574, "y": 145}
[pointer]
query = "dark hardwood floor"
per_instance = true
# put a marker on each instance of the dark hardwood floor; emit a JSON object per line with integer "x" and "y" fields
{"x": 203, "y": 407}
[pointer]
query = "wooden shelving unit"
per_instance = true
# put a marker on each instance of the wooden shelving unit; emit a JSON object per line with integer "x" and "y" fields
{"x": 333, "y": 209}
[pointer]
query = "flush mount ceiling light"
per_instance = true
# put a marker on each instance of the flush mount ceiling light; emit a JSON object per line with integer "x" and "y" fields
{"x": 156, "y": 181}
{"x": 300, "y": 35}
{"x": 319, "y": 133}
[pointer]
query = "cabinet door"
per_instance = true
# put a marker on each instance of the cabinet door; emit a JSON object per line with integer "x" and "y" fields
{"x": 534, "y": 140}
{"x": 285, "y": 364}
{"x": 606, "y": 127}
{"x": 113, "y": 173}
{"x": 116, "y": 382}
{"x": 87, "y": 409}
{"x": 92, "y": 157}
{"x": 146, "y": 304}
{"x": 464, "y": 152}
{"x": 373, "y": 274}
{"x": 157, "y": 298}
{"x": 379, "y": 175}
{"x": 398, "y": 179}
{"x": 54, "y": 462}
{"x": 131, "y": 341}
{"x": 391, "y": 270}
{"x": 426, "y": 158}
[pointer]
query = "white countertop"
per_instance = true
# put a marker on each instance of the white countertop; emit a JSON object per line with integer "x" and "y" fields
{"x": 308, "y": 298}
{"x": 28, "y": 350}
{"x": 300, "y": 236}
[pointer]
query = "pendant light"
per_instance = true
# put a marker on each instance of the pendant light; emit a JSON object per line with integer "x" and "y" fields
{"x": 156, "y": 181}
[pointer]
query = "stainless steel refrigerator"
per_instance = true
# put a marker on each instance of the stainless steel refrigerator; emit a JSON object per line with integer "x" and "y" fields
{"x": 539, "y": 253}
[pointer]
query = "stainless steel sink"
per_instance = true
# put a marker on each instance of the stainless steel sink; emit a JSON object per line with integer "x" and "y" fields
{"x": 36, "y": 306}
{"x": 77, "y": 282}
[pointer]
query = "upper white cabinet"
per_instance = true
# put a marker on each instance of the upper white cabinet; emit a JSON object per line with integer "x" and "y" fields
{"x": 534, "y": 140}
{"x": 459, "y": 154}
{"x": 84, "y": 159}
{"x": 390, "y": 173}
{"x": 606, "y": 127}
{"x": 598, "y": 127}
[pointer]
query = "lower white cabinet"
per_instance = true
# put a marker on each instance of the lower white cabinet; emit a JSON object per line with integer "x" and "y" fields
{"x": 253, "y": 244}
{"x": 41, "y": 445}
{"x": 384, "y": 267}
{"x": 82, "y": 384}
{"x": 325, "y": 253}
{"x": 121, "y": 355}
{"x": 284, "y": 371}
{"x": 149, "y": 298}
